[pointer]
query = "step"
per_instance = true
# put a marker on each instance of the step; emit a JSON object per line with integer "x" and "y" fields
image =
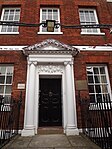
{"x": 50, "y": 130}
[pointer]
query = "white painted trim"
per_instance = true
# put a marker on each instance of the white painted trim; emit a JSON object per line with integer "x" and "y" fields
{"x": 9, "y": 33}
{"x": 54, "y": 66}
{"x": 105, "y": 48}
{"x": 91, "y": 33}
{"x": 109, "y": 0}
{"x": 12, "y": 48}
{"x": 94, "y": 48}
{"x": 48, "y": 33}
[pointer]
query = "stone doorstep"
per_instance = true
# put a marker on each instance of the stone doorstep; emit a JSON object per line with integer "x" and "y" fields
{"x": 50, "y": 130}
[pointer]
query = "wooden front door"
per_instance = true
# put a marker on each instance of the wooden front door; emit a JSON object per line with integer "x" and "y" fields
{"x": 50, "y": 108}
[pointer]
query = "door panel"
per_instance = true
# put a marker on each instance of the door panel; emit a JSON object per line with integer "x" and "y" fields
{"x": 50, "y": 109}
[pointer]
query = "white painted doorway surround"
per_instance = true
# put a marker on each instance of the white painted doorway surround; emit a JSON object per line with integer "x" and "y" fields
{"x": 50, "y": 58}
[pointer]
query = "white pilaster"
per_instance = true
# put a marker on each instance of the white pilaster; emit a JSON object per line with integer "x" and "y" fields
{"x": 71, "y": 128}
{"x": 29, "y": 129}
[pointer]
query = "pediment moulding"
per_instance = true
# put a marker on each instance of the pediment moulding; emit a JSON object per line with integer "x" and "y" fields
{"x": 50, "y": 46}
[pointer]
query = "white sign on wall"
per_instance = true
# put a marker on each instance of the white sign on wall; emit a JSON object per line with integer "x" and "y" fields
{"x": 21, "y": 86}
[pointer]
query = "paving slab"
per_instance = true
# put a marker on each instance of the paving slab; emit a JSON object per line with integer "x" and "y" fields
{"x": 81, "y": 142}
{"x": 51, "y": 141}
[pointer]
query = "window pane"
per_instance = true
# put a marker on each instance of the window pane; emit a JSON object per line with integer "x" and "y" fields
{"x": 104, "y": 89}
{"x": 94, "y": 30}
{"x": 82, "y": 18}
{"x": 44, "y": 17}
{"x": 6, "y": 74}
{"x": 91, "y": 88}
{"x": 9, "y": 80}
{"x": 17, "y": 11}
{"x": 90, "y": 79}
{"x": 87, "y": 16}
{"x": 102, "y": 70}
{"x": 4, "y": 28}
{"x": 89, "y": 70}
{"x": 55, "y": 15}
{"x": 5, "y": 17}
{"x": 9, "y": 29}
{"x": 103, "y": 79}
{"x": 9, "y": 70}
{"x": 2, "y": 79}
{"x": 92, "y": 98}
{"x": 8, "y": 89}
{"x": 98, "y": 88}
{"x": 106, "y": 98}
{"x": 16, "y": 18}
{"x": 1, "y": 89}
{"x": 99, "y": 98}
{"x": 2, "y": 70}
{"x": 11, "y": 18}
{"x": 92, "y": 16}
{"x": 6, "y": 12}
{"x": 96, "y": 71}
{"x": 7, "y": 99}
{"x": 97, "y": 79}
{"x": 11, "y": 12}
{"x": 49, "y": 14}
{"x": 15, "y": 28}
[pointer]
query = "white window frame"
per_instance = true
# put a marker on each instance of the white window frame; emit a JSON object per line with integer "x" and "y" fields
{"x": 96, "y": 19}
{"x": 3, "y": 10}
{"x": 59, "y": 29}
{"x": 6, "y": 84}
{"x": 109, "y": 0}
{"x": 107, "y": 79}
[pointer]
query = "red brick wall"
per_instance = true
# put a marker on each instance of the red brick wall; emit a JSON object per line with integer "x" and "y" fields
{"x": 30, "y": 13}
{"x": 19, "y": 62}
{"x": 80, "y": 62}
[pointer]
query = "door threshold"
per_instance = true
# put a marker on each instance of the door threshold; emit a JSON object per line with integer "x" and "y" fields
{"x": 50, "y": 130}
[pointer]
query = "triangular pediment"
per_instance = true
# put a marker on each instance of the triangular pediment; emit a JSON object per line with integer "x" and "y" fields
{"x": 50, "y": 46}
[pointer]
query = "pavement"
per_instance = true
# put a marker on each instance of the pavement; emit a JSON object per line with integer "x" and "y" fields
{"x": 51, "y": 141}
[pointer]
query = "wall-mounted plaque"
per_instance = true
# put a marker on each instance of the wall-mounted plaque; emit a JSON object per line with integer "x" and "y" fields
{"x": 21, "y": 86}
{"x": 81, "y": 85}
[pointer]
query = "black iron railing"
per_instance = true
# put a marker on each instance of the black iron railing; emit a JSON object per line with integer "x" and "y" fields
{"x": 9, "y": 119}
{"x": 97, "y": 122}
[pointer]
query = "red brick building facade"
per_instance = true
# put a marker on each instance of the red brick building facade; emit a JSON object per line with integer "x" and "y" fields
{"x": 88, "y": 51}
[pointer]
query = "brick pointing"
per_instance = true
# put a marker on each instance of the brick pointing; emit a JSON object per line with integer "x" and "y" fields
{"x": 30, "y": 13}
{"x": 18, "y": 60}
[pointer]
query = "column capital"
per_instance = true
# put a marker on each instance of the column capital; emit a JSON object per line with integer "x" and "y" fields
{"x": 32, "y": 62}
{"x": 68, "y": 63}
